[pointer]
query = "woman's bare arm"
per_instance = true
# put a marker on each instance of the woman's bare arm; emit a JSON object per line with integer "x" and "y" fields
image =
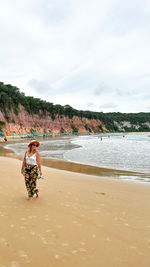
{"x": 23, "y": 164}
{"x": 38, "y": 161}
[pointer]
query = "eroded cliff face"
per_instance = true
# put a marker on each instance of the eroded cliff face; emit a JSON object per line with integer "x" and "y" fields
{"x": 23, "y": 123}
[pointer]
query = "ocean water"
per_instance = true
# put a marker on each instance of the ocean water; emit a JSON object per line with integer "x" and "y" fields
{"x": 130, "y": 152}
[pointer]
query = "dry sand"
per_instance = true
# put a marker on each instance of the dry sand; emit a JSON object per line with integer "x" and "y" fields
{"x": 77, "y": 221}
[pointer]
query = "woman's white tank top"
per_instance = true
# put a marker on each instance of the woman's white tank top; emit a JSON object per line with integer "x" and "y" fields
{"x": 31, "y": 160}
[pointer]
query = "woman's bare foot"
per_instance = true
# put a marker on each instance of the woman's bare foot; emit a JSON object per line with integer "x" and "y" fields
{"x": 37, "y": 195}
{"x": 30, "y": 198}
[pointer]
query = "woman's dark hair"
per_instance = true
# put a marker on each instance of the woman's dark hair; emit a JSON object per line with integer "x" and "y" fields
{"x": 30, "y": 148}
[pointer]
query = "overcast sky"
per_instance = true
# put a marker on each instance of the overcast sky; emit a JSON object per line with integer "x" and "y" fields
{"x": 91, "y": 54}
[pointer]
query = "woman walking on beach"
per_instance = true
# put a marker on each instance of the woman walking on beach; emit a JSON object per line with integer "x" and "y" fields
{"x": 31, "y": 167}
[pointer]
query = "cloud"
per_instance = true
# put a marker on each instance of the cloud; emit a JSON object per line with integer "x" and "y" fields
{"x": 40, "y": 86}
{"x": 90, "y": 104}
{"x": 102, "y": 88}
{"x": 78, "y": 52}
{"x": 109, "y": 106}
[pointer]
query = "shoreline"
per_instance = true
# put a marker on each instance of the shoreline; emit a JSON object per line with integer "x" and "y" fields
{"x": 80, "y": 168}
{"x": 78, "y": 220}
{"x": 124, "y": 175}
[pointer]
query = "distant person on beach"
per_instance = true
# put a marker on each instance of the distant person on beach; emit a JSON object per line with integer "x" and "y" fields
{"x": 31, "y": 168}
{"x": 5, "y": 139}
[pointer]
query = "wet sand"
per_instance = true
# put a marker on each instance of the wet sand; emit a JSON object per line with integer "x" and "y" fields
{"x": 78, "y": 220}
{"x": 81, "y": 168}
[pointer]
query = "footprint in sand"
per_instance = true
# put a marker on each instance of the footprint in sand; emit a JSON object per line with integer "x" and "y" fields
{"x": 43, "y": 239}
{"x": 82, "y": 250}
{"x": 65, "y": 244}
{"x": 96, "y": 211}
{"x": 22, "y": 227}
{"x": 67, "y": 204}
{"x": 48, "y": 230}
{"x": 14, "y": 264}
{"x": 108, "y": 238}
{"x": 2, "y": 214}
{"x": 30, "y": 217}
{"x": 32, "y": 233}
{"x": 74, "y": 251}
{"x": 82, "y": 243}
{"x": 101, "y": 193}
{"x": 132, "y": 247}
{"x": 24, "y": 256}
{"x": 23, "y": 219}
{"x": 59, "y": 226}
{"x": 3, "y": 242}
{"x": 75, "y": 222}
{"x": 57, "y": 256}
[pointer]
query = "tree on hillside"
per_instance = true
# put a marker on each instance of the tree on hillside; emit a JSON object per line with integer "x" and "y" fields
{"x": 11, "y": 98}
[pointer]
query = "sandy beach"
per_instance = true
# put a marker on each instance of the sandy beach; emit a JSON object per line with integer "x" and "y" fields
{"x": 78, "y": 220}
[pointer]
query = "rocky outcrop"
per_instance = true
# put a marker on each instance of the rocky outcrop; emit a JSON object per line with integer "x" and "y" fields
{"x": 25, "y": 123}
{"x": 123, "y": 124}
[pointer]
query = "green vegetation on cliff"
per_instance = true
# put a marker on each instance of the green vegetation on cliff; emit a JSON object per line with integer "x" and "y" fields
{"x": 11, "y": 98}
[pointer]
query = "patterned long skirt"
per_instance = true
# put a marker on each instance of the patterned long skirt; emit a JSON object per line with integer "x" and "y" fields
{"x": 31, "y": 174}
